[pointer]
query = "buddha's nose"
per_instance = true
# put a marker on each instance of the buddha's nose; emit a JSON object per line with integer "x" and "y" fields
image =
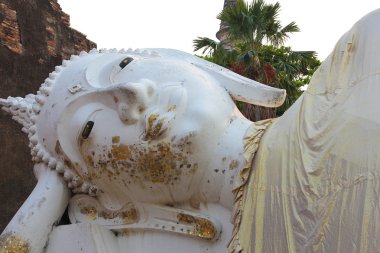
{"x": 133, "y": 99}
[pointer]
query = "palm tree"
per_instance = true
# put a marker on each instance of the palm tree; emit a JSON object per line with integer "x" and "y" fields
{"x": 221, "y": 34}
{"x": 251, "y": 25}
{"x": 254, "y": 31}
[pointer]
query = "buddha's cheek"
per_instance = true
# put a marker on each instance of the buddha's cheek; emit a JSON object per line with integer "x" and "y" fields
{"x": 164, "y": 172}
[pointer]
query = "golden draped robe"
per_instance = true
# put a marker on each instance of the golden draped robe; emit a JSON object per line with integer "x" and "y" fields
{"x": 315, "y": 179}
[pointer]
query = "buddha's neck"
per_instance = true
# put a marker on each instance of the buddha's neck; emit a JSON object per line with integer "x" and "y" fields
{"x": 225, "y": 165}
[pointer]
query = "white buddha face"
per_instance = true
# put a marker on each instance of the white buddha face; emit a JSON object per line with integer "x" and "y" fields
{"x": 138, "y": 127}
{"x": 150, "y": 134}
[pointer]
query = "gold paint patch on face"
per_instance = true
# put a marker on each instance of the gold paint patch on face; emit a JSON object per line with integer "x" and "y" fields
{"x": 158, "y": 165}
{"x": 115, "y": 139}
{"x": 90, "y": 212}
{"x": 234, "y": 164}
{"x": 11, "y": 243}
{"x": 172, "y": 108}
{"x": 202, "y": 228}
{"x": 146, "y": 162}
{"x": 154, "y": 129}
{"x": 90, "y": 161}
{"x": 120, "y": 152}
{"x": 129, "y": 216}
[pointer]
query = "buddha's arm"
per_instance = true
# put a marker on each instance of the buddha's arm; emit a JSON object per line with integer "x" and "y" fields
{"x": 29, "y": 229}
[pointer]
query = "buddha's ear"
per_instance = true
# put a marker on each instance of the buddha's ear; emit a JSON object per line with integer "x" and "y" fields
{"x": 243, "y": 89}
{"x": 240, "y": 88}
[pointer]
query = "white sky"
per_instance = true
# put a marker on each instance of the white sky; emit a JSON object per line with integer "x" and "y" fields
{"x": 175, "y": 23}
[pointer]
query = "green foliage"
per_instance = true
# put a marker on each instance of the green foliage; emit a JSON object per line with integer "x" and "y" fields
{"x": 252, "y": 24}
{"x": 293, "y": 70}
{"x": 215, "y": 51}
{"x": 255, "y": 37}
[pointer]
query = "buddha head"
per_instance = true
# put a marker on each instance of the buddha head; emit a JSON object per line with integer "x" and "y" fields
{"x": 134, "y": 125}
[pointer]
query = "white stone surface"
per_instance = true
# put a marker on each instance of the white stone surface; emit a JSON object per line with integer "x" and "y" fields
{"x": 84, "y": 238}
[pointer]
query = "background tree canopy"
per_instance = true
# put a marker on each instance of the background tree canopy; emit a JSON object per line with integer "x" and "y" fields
{"x": 252, "y": 46}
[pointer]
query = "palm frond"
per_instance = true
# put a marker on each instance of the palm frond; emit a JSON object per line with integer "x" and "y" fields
{"x": 206, "y": 44}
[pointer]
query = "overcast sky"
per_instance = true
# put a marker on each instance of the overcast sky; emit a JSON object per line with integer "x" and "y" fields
{"x": 175, "y": 23}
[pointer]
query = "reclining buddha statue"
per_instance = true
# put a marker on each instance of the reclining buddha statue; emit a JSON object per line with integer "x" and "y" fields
{"x": 149, "y": 143}
{"x": 147, "y": 152}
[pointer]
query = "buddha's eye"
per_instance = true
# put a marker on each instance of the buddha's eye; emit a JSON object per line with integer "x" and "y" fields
{"x": 125, "y": 62}
{"x": 87, "y": 129}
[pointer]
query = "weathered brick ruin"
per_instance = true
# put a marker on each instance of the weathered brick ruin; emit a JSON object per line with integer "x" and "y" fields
{"x": 35, "y": 36}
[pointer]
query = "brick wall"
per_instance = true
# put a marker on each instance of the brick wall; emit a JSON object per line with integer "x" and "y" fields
{"x": 35, "y": 36}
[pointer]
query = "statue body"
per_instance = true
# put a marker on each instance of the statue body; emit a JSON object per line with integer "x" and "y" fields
{"x": 159, "y": 159}
{"x": 325, "y": 152}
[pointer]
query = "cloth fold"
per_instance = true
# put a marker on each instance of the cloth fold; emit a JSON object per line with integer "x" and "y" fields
{"x": 251, "y": 144}
{"x": 315, "y": 180}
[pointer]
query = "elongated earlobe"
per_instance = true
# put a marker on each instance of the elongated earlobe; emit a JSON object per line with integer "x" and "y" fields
{"x": 240, "y": 88}
{"x": 246, "y": 90}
